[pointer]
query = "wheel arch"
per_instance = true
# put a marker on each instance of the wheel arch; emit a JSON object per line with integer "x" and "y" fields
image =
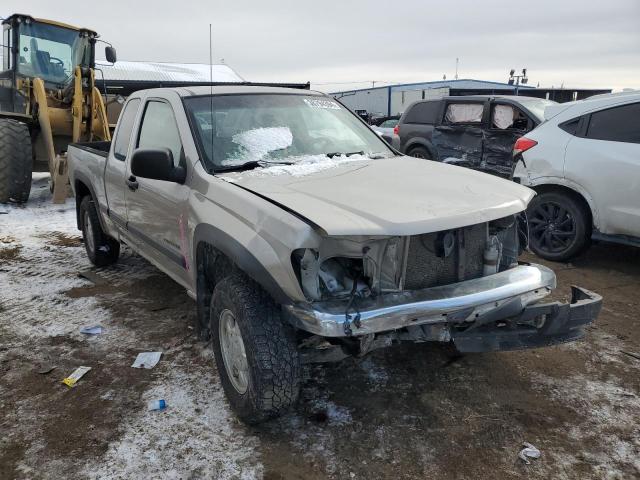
{"x": 214, "y": 245}
{"x": 582, "y": 197}
{"x": 419, "y": 142}
{"x": 81, "y": 188}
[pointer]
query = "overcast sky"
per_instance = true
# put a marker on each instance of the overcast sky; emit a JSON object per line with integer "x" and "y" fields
{"x": 578, "y": 43}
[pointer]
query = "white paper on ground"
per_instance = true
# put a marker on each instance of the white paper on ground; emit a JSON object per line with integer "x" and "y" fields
{"x": 147, "y": 360}
{"x": 528, "y": 451}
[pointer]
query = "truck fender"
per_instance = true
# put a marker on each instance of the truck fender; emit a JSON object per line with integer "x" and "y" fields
{"x": 81, "y": 179}
{"x": 240, "y": 256}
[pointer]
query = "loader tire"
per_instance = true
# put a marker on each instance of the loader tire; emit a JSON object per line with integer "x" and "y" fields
{"x": 16, "y": 161}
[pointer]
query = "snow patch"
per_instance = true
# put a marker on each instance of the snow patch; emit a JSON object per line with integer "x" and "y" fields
{"x": 257, "y": 143}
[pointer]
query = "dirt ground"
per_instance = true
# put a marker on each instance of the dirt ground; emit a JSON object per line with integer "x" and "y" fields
{"x": 405, "y": 412}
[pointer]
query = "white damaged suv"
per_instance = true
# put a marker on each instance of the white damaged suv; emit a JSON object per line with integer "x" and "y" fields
{"x": 584, "y": 163}
{"x": 303, "y": 237}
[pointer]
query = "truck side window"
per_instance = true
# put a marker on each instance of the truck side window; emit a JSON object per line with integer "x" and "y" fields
{"x": 464, "y": 113}
{"x": 617, "y": 124}
{"x": 160, "y": 130}
{"x": 125, "y": 127}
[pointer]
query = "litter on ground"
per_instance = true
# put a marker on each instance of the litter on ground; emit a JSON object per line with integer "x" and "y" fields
{"x": 72, "y": 379}
{"x": 95, "y": 330}
{"x": 147, "y": 360}
{"x": 529, "y": 451}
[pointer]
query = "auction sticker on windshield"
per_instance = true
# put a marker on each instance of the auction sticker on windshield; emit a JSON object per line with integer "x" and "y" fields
{"x": 319, "y": 103}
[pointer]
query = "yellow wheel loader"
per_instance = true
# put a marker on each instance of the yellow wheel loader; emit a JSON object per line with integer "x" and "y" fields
{"x": 48, "y": 99}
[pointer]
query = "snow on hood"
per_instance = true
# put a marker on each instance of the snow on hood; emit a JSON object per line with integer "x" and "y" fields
{"x": 391, "y": 196}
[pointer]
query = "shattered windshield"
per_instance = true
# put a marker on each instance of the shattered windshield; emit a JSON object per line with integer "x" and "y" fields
{"x": 249, "y": 130}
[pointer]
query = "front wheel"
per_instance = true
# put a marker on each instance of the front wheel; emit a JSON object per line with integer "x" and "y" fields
{"x": 255, "y": 351}
{"x": 559, "y": 226}
{"x": 101, "y": 249}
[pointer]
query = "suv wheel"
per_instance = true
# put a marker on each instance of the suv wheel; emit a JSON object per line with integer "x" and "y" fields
{"x": 559, "y": 226}
{"x": 255, "y": 351}
{"x": 420, "y": 152}
{"x": 101, "y": 249}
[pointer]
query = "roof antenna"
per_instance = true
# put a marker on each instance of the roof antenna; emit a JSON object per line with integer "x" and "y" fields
{"x": 211, "y": 91}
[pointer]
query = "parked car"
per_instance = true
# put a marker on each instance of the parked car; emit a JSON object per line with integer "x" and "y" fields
{"x": 473, "y": 131}
{"x": 303, "y": 237}
{"x": 385, "y": 125}
{"x": 584, "y": 162}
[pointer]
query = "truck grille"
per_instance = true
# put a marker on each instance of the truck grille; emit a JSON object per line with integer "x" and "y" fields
{"x": 430, "y": 265}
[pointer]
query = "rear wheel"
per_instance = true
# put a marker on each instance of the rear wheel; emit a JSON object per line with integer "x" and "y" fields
{"x": 420, "y": 152}
{"x": 559, "y": 226}
{"x": 101, "y": 249}
{"x": 255, "y": 351}
{"x": 16, "y": 161}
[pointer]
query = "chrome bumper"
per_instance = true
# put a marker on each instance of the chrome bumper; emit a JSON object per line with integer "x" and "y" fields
{"x": 449, "y": 303}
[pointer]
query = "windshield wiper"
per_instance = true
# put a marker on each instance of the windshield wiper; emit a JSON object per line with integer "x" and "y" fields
{"x": 251, "y": 165}
{"x": 339, "y": 154}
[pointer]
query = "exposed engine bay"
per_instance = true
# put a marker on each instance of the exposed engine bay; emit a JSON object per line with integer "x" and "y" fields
{"x": 344, "y": 267}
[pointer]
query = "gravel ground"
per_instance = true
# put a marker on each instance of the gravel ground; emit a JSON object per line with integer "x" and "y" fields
{"x": 406, "y": 412}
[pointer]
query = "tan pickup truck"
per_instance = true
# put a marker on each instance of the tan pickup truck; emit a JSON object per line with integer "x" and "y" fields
{"x": 304, "y": 237}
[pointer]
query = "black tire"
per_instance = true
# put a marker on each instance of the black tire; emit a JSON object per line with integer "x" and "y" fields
{"x": 420, "y": 152}
{"x": 16, "y": 161}
{"x": 272, "y": 385}
{"x": 559, "y": 226}
{"x": 101, "y": 249}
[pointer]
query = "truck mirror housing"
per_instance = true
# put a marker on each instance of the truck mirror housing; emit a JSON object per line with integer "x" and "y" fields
{"x": 156, "y": 164}
{"x": 110, "y": 54}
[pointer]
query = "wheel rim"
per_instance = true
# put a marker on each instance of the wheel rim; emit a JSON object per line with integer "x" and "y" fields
{"x": 88, "y": 232}
{"x": 418, "y": 154}
{"x": 552, "y": 228}
{"x": 233, "y": 352}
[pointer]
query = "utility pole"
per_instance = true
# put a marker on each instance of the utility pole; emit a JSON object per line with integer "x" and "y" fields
{"x": 373, "y": 84}
{"x": 518, "y": 79}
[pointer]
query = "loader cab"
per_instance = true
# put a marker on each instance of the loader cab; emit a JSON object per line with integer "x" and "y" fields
{"x": 37, "y": 48}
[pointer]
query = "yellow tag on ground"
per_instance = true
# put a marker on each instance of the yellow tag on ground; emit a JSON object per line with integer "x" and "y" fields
{"x": 72, "y": 379}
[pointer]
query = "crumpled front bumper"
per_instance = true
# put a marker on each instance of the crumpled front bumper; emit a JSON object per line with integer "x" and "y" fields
{"x": 475, "y": 312}
{"x": 539, "y": 325}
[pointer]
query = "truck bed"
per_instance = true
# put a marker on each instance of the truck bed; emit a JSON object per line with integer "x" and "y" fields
{"x": 99, "y": 148}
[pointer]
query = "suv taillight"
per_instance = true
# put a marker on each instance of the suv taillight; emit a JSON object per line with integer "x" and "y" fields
{"x": 396, "y": 129}
{"x": 523, "y": 144}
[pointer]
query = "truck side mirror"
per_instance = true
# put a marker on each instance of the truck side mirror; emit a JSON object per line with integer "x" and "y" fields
{"x": 156, "y": 164}
{"x": 110, "y": 54}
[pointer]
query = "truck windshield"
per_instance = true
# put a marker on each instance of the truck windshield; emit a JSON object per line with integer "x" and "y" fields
{"x": 252, "y": 129}
{"x": 51, "y": 52}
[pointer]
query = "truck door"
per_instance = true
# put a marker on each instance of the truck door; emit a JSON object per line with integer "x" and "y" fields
{"x": 458, "y": 137}
{"x": 156, "y": 209}
{"x": 507, "y": 123}
{"x": 116, "y": 168}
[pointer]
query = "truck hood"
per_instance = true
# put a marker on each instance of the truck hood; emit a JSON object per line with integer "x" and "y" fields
{"x": 394, "y": 196}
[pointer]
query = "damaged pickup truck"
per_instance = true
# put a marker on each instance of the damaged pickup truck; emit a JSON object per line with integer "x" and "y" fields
{"x": 303, "y": 237}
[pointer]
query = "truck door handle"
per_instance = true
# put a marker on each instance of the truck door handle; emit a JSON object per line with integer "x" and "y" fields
{"x": 132, "y": 183}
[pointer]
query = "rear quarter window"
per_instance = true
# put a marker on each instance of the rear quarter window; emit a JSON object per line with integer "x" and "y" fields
{"x": 423, "y": 112}
{"x": 616, "y": 124}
